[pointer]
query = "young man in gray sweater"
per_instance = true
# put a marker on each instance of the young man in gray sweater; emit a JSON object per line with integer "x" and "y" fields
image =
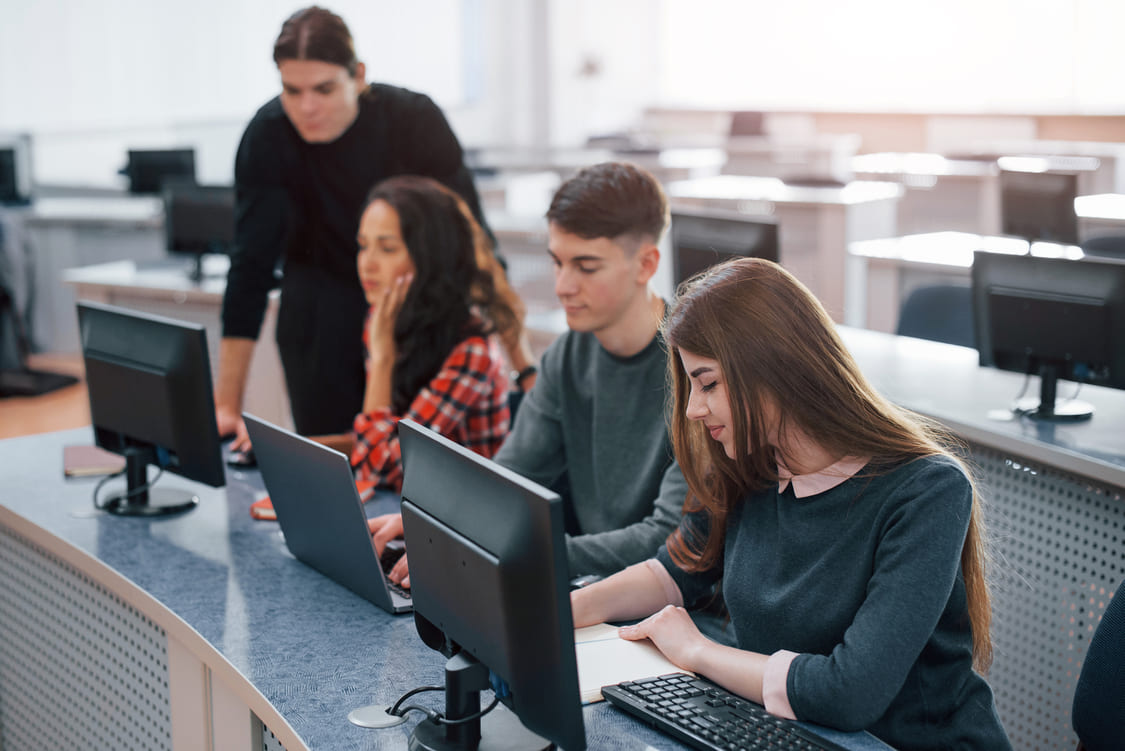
{"x": 595, "y": 420}
{"x": 596, "y": 416}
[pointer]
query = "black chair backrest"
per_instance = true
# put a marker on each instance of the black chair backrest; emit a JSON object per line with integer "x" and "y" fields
{"x": 1112, "y": 246}
{"x": 941, "y": 313}
{"x": 1098, "y": 712}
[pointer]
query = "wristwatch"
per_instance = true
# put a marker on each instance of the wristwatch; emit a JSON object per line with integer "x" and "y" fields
{"x": 517, "y": 377}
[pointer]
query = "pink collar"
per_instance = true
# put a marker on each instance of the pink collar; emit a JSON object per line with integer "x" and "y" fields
{"x": 819, "y": 482}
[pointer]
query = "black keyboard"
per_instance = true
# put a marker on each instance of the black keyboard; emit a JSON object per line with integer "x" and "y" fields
{"x": 391, "y": 553}
{"x": 703, "y": 715}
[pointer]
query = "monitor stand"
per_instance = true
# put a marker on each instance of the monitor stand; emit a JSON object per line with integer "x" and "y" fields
{"x": 195, "y": 273}
{"x": 1046, "y": 407}
{"x": 147, "y": 502}
{"x": 499, "y": 730}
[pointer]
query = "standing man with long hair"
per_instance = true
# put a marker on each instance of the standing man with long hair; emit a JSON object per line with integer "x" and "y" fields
{"x": 303, "y": 168}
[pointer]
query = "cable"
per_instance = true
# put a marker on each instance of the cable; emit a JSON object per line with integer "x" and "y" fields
{"x": 128, "y": 493}
{"x": 436, "y": 717}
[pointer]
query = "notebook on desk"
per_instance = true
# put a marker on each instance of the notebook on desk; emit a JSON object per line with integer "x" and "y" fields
{"x": 321, "y": 514}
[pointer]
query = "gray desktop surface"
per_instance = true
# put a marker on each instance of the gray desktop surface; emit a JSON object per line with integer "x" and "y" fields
{"x": 312, "y": 648}
{"x": 945, "y": 382}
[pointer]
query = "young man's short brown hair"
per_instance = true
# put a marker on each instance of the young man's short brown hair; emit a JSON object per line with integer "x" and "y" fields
{"x": 612, "y": 200}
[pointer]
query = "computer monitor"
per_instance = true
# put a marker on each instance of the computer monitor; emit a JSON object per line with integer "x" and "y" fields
{"x": 748, "y": 123}
{"x": 1039, "y": 205}
{"x": 489, "y": 578}
{"x": 15, "y": 170}
{"x": 702, "y": 238}
{"x": 149, "y": 383}
{"x": 148, "y": 169}
{"x": 198, "y": 219}
{"x": 1054, "y": 317}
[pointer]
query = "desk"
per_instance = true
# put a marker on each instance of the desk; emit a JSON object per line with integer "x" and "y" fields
{"x": 62, "y": 233}
{"x": 1107, "y": 177}
{"x": 133, "y": 633}
{"x": 1055, "y": 505}
{"x": 665, "y": 164}
{"x": 940, "y": 194}
{"x": 815, "y": 224}
{"x": 885, "y": 271}
{"x": 1100, "y": 214}
{"x": 823, "y": 155}
{"x": 164, "y": 288}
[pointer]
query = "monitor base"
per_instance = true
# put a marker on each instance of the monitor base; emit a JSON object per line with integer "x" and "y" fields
{"x": 500, "y": 730}
{"x": 1071, "y": 410}
{"x": 27, "y": 382}
{"x": 160, "y": 502}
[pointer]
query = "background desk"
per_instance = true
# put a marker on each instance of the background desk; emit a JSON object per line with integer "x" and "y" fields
{"x": 164, "y": 288}
{"x": 815, "y": 224}
{"x": 143, "y": 634}
{"x": 1100, "y": 214}
{"x": 940, "y": 194}
{"x": 55, "y": 234}
{"x": 1055, "y": 505}
{"x": 883, "y": 272}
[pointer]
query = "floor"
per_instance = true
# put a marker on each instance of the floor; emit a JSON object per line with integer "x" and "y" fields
{"x": 63, "y": 409}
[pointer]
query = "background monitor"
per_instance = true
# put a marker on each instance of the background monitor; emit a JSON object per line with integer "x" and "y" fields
{"x": 198, "y": 219}
{"x": 15, "y": 170}
{"x": 1039, "y": 206}
{"x": 701, "y": 239}
{"x": 748, "y": 123}
{"x": 148, "y": 169}
{"x": 149, "y": 382}
{"x": 1053, "y": 317}
{"x": 489, "y": 580}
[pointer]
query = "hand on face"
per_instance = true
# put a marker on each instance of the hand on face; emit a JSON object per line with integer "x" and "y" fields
{"x": 381, "y": 324}
{"x": 673, "y": 632}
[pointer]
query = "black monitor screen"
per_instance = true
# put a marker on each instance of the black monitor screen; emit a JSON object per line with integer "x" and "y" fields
{"x": 9, "y": 186}
{"x": 701, "y": 239}
{"x": 198, "y": 218}
{"x": 149, "y": 383}
{"x": 1053, "y": 317}
{"x": 149, "y": 169}
{"x": 1039, "y": 206}
{"x": 489, "y": 578}
{"x": 15, "y": 169}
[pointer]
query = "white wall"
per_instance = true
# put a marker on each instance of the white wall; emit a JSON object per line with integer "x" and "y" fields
{"x": 1022, "y": 56}
{"x": 90, "y": 79}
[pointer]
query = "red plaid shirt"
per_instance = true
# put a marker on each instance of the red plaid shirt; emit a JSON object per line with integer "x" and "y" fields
{"x": 467, "y": 401}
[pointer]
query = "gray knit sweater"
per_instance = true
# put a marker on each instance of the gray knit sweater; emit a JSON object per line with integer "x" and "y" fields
{"x": 600, "y": 421}
{"x": 864, "y": 582}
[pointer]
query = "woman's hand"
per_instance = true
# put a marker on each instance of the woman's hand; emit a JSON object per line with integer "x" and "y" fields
{"x": 400, "y": 573}
{"x": 384, "y": 529}
{"x": 674, "y": 633}
{"x": 381, "y": 325}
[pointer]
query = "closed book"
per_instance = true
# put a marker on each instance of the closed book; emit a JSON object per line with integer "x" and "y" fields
{"x": 87, "y": 461}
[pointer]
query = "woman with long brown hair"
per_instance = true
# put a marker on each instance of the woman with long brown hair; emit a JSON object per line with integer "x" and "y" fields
{"x": 844, "y": 532}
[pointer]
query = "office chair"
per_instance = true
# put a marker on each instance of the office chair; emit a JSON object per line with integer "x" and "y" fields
{"x": 1106, "y": 246}
{"x": 1098, "y": 712}
{"x": 940, "y": 313}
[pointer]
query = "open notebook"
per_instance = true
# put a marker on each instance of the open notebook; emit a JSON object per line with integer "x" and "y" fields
{"x": 605, "y": 658}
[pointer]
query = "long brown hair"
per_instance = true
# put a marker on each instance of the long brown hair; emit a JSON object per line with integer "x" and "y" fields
{"x": 452, "y": 296}
{"x": 774, "y": 341}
